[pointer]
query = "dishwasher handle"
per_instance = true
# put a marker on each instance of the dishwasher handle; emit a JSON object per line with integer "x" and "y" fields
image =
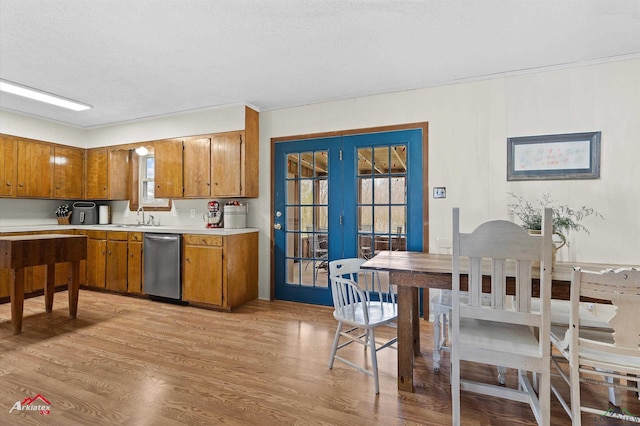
{"x": 161, "y": 237}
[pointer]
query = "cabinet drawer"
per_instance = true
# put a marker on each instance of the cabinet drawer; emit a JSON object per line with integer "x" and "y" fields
{"x": 203, "y": 240}
{"x": 135, "y": 236}
{"x": 97, "y": 235}
{"x": 118, "y": 235}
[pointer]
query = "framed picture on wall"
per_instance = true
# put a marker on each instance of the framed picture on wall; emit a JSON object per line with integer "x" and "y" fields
{"x": 551, "y": 157}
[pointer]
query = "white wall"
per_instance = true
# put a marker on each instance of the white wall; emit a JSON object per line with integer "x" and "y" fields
{"x": 468, "y": 127}
{"x": 469, "y": 124}
{"x": 213, "y": 120}
{"x": 40, "y": 129}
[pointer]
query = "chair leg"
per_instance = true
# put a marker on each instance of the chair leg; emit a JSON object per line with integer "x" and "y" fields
{"x": 374, "y": 359}
{"x": 334, "y": 349}
{"x": 455, "y": 389}
{"x": 502, "y": 371}
{"x": 576, "y": 416}
{"x": 436, "y": 342}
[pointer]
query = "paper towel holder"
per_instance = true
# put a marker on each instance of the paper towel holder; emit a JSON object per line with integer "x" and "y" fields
{"x": 105, "y": 215}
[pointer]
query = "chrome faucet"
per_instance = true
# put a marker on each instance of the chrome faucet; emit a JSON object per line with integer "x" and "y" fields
{"x": 140, "y": 209}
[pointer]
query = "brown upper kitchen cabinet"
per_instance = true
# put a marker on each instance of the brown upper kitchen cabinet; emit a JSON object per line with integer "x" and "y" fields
{"x": 168, "y": 168}
{"x": 107, "y": 175}
{"x": 197, "y": 167}
{"x": 68, "y": 170}
{"x": 34, "y": 169}
{"x": 234, "y": 160}
{"x": 8, "y": 166}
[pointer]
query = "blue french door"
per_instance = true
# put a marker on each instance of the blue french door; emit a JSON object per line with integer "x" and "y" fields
{"x": 345, "y": 196}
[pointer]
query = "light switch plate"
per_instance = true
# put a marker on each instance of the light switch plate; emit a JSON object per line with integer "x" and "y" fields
{"x": 439, "y": 192}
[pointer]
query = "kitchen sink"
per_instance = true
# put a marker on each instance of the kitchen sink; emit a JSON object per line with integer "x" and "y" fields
{"x": 128, "y": 225}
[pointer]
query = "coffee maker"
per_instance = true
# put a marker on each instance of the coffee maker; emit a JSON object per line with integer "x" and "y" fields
{"x": 213, "y": 218}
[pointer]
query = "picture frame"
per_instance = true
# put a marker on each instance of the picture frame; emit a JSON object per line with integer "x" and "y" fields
{"x": 554, "y": 157}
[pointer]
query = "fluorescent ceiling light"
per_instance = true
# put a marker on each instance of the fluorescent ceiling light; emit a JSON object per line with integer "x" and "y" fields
{"x": 26, "y": 92}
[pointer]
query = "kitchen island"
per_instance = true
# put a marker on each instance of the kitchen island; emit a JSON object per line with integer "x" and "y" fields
{"x": 20, "y": 252}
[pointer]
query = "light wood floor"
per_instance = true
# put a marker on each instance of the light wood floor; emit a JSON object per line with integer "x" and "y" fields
{"x": 135, "y": 362}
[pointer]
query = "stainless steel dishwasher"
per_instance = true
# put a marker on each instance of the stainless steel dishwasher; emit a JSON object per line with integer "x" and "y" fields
{"x": 162, "y": 266}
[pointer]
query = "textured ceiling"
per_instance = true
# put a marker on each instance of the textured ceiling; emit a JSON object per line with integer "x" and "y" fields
{"x": 144, "y": 58}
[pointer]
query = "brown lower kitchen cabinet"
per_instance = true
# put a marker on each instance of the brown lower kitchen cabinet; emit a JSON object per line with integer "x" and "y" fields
{"x": 220, "y": 271}
{"x": 134, "y": 264}
{"x": 96, "y": 258}
{"x": 116, "y": 261}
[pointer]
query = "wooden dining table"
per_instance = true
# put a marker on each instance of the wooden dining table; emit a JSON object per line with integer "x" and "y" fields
{"x": 410, "y": 271}
{"x": 22, "y": 251}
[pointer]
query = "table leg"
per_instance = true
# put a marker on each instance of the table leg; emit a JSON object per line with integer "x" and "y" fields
{"x": 74, "y": 288}
{"x": 49, "y": 287}
{"x": 426, "y": 304}
{"x": 16, "y": 283}
{"x": 405, "y": 337}
{"x": 415, "y": 320}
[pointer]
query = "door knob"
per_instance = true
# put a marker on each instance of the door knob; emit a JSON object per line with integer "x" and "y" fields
{"x": 277, "y": 226}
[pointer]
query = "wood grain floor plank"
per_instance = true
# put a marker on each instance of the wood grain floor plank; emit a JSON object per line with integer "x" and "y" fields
{"x": 131, "y": 361}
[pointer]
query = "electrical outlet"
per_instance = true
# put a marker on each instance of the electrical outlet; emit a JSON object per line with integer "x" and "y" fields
{"x": 193, "y": 212}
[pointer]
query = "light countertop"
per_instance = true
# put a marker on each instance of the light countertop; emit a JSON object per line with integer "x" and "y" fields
{"x": 162, "y": 229}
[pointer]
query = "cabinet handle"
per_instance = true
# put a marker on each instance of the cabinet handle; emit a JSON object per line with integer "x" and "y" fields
{"x": 21, "y": 185}
{"x": 109, "y": 252}
{"x": 8, "y": 183}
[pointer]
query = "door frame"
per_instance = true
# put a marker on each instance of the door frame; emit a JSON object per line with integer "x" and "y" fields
{"x": 425, "y": 179}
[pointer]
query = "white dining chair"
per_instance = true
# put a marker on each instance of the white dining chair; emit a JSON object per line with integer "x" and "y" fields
{"x": 597, "y": 354}
{"x": 502, "y": 334}
{"x": 355, "y": 309}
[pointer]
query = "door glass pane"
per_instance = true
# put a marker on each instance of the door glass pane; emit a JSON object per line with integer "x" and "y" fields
{"x": 365, "y": 193}
{"x": 381, "y": 160}
{"x": 293, "y": 218}
{"x": 365, "y": 161}
{"x": 382, "y": 190}
{"x": 307, "y": 219}
{"x": 382, "y": 211}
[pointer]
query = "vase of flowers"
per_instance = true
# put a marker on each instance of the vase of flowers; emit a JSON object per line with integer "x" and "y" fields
{"x": 565, "y": 218}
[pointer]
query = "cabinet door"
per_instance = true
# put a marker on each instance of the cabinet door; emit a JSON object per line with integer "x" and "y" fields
{"x": 116, "y": 276}
{"x": 197, "y": 167}
{"x": 96, "y": 179}
{"x": 68, "y": 172}
{"x": 226, "y": 164}
{"x": 8, "y": 166}
{"x": 34, "y": 169}
{"x": 134, "y": 268}
{"x": 168, "y": 168}
{"x": 118, "y": 174}
{"x": 202, "y": 274}
{"x": 96, "y": 262}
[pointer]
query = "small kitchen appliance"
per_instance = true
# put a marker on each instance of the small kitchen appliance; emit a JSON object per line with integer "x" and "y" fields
{"x": 84, "y": 213}
{"x": 235, "y": 215}
{"x": 213, "y": 218}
